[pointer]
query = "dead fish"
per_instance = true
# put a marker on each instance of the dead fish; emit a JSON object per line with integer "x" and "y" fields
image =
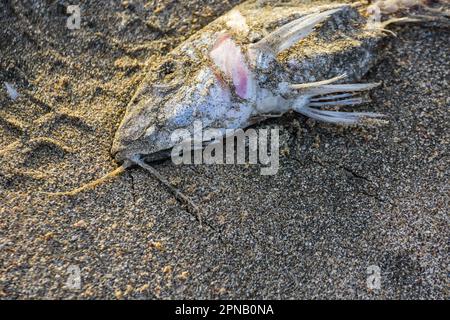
{"x": 230, "y": 75}
{"x": 252, "y": 63}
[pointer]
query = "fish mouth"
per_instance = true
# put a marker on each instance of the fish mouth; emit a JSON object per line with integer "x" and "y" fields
{"x": 122, "y": 153}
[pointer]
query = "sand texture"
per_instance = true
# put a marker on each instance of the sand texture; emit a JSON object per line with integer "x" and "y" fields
{"x": 344, "y": 198}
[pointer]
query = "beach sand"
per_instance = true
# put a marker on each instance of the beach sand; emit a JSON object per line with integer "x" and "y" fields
{"x": 343, "y": 200}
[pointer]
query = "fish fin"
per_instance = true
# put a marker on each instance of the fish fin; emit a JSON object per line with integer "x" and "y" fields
{"x": 342, "y": 95}
{"x": 317, "y": 83}
{"x": 332, "y": 97}
{"x": 327, "y": 86}
{"x": 325, "y": 93}
{"x": 339, "y": 88}
{"x": 342, "y": 102}
{"x": 292, "y": 32}
{"x": 336, "y": 117}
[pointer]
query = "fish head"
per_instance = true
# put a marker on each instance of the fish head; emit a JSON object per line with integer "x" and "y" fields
{"x": 215, "y": 88}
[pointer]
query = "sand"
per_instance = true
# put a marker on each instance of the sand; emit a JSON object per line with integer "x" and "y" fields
{"x": 343, "y": 200}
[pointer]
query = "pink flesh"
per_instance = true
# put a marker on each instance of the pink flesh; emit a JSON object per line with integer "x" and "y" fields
{"x": 228, "y": 57}
{"x": 222, "y": 37}
{"x": 240, "y": 82}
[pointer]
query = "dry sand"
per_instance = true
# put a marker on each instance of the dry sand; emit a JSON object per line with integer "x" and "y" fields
{"x": 344, "y": 199}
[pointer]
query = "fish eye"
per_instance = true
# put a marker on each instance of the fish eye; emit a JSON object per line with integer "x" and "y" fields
{"x": 167, "y": 68}
{"x": 187, "y": 64}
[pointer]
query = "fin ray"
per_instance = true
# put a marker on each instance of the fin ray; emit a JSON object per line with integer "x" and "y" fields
{"x": 289, "y": 34}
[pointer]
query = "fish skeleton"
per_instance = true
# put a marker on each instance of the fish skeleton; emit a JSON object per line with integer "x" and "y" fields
{"x": 255, "y": 62}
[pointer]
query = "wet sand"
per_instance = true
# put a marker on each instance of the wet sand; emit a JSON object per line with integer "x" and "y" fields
{"x": 343, "y": 200}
